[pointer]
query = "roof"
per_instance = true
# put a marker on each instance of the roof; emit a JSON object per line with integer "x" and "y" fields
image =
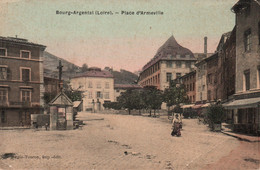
{"x": 243, "y": 103}
{"x": 76, "y": 103}
{"x": 172, "y": 48}
{"x": 21, "y": 41}
{"x": 95, "y": 73}
{"x": 61, "y": 99}
{"x": 127, "y": 86}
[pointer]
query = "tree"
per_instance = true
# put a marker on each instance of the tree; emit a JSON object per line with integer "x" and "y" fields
{"x": 175, "y": 94}
{"x": 112, "y": 105}
{"x": 131, "y": 99}
{"x": 152, "y": 98}
{"x": 215, "y": 114}
{"x": 84, "y": 68}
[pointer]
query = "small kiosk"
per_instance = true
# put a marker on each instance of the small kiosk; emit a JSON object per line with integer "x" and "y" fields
{"x": 61, "y": 113}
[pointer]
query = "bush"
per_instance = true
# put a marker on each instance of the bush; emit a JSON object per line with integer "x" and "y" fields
{"x": 215, "y": 114}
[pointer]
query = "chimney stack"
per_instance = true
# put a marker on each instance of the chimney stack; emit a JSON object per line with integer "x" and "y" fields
{"x": 205, "y": 45}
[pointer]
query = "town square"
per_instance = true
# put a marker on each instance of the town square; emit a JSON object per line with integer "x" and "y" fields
{"x": 130, "y": 85}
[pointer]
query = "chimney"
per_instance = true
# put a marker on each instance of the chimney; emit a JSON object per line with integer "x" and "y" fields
{"x": 205, "y": 45}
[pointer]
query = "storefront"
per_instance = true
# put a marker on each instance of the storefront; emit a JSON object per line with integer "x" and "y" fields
{"x": 245, "y": 113}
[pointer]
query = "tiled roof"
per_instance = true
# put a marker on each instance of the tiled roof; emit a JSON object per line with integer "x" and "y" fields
{"x": 172, "y": 48}
{"x": 20, "y": 41}
{"x": 127, "y": 86}
{"x": 94, "y": 73}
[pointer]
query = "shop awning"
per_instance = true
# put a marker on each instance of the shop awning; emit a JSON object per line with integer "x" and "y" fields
{"x": 243, "y": 103}
{"x": 197, "y": 106}
{"x": 187, "y": 106}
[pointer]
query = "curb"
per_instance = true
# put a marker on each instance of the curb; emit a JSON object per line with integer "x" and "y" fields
{"x": 240, "y": 138}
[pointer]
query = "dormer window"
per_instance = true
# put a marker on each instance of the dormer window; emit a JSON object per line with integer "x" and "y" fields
{"x": 2, "y": 52}
{"x": 25, "y": 54}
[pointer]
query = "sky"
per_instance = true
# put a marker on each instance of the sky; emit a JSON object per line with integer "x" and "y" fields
{"x": 119, "y": 41}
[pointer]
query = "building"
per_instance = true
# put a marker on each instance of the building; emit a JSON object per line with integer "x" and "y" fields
{"x": 97, "y": 86}
{"x": 51, "y": 85}
{"x": 170, "y": 62}
{"x": 247, "y": 81}
{"x": 229, "y": 66}
{"x": 201, "y": 82}
{"x": 21, "y": 81}
{"x": 189, "y": 82}
{"x": 120, "y": 88}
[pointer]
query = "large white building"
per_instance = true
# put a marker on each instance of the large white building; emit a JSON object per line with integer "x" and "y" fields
{"x": 97, "y": 86}
{"x": 170, "y": 62}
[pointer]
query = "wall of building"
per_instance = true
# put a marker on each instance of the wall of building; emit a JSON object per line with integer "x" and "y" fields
{"x": 90, "y": 93}
{"x": 201, "y": 82}
{"x": 14, "y": 108}
{"x": 173, "y": 70}
{"x": 247, "y": 60}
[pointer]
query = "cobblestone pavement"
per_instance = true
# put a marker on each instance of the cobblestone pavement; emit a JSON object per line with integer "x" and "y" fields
{"x": 116, "y": 142}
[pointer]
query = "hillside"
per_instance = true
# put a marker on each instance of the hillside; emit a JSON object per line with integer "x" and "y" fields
{"x": 69, "y": 70}
{"x": 124, "y": 77}
{"x": 51, "y": 62}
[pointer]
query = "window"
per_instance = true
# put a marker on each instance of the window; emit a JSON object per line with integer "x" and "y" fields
{"x": 259, "y": 32}
{"x": 209, "y": 95}
{"x": 247, "y": 80}
{"x": 25, "y": 74}
{"x": 209, "y": 78}
{"x": 2, "y": 52}
{"x": 178, "y": 75}
{"x": 187, "y": 56}
{"x": 178, "y": 64}
{"x": 3, "y": 72}
{"x": 247, "y": 40}
{"x": 169, "y": 64}
{"x": 90, "y": 84}
{"x": 3, "y": 117}
{"x": 258, "y": 77}
{"x": 3, "y": 96}
{"x": 178, "y": 55}
{"x": 188, "y": 65}
{"x": 168, "y": 77}
{"x": 99, "y": 95}
{"x": 106, "y": 95}
{"x": 25, "y": 95}
{"x": 107, "y": 85}
{"x": 25, "y": 54}
{"x": 90, "y": 94}
{"x": 98, "y": 85}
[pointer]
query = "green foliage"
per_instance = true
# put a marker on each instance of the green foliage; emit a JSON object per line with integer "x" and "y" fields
{"x": 74, "y": 95}
{"x": 131, "y": 99}
{"x": 84, "y": 68}
{"x": 175, "y": 95}
{"x": 47, "y": 97}
{"x": 112, "y": 105}
{"x": 152, "y": 98}
{"x": 215, "y": 114}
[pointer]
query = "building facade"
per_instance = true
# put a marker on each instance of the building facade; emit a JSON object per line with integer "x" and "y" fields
{"x": 21, "y": 81}
{"x": 247, "y": 81}
{"x": 229, "y": 66}
{"x": 189, "y": 82}
{"x": 170, "y": 62}
{"x": 97, "y": 86}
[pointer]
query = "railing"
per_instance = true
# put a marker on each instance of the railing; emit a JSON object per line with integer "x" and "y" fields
{"x": 20, "y": 104}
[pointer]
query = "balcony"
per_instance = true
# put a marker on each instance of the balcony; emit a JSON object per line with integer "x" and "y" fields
{"x": 20, "y": 104}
